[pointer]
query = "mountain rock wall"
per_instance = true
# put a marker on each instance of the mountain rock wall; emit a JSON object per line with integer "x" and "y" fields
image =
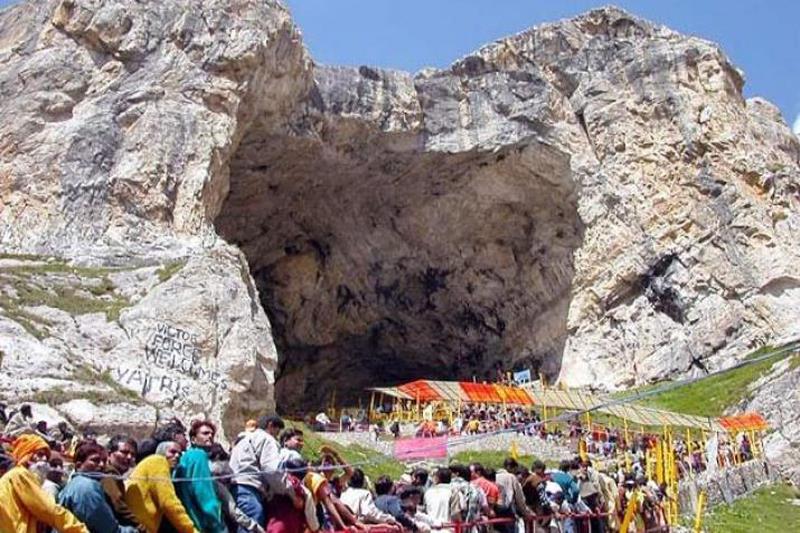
{"x": 593, "y": 199}
{"x": 117, "y": 123}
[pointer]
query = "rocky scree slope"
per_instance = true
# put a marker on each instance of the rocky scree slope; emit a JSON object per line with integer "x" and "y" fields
{"x": 591, "y": 198}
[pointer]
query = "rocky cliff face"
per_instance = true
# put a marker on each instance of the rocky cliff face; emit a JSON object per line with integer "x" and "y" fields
{"x": 591, "y": 198}
{"x": 117, "y": 123}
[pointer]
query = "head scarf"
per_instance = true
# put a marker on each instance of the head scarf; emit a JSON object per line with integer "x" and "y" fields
{"x": 162, "y": 447}
{"x": 27, "y": 445}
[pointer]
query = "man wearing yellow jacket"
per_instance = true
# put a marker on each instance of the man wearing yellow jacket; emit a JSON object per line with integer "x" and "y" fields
{"x": 24, "y": 506}
{"x": 150, "y": 494}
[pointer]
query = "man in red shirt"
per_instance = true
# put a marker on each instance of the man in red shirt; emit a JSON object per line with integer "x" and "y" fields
{"x": 478, "y": 478}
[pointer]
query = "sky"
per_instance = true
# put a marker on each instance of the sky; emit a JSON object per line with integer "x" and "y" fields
{"x": 761, "y": 37}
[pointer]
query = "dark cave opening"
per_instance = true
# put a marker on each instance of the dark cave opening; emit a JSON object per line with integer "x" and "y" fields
{"x": 378, "y": 263}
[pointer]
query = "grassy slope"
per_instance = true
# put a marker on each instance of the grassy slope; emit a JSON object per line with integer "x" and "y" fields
{"x": 711, "y": 396}
{"x": 769, "y": 509}
{"x": 490, "y": 459}
{"x": 379, "y": 464}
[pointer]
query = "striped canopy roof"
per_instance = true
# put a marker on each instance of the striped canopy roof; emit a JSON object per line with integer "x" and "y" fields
{"x": 744, "y": 422}
{"x": 458, "y": 391}
{"x": 574, "y": 400}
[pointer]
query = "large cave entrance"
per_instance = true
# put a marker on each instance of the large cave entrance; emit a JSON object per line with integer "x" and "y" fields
{"x": 379, "y": 263}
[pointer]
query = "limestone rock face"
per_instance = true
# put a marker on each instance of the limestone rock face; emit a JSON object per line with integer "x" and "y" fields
{"x": 777, "y": 397}
{"x": 117, "y": 122}
{"x": 118, "y": 118}
{"x": 592, "y": 198}
{"x": 119, "y": 347}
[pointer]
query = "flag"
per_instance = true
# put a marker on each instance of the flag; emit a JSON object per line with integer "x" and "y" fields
{"x": 514, "y": 450}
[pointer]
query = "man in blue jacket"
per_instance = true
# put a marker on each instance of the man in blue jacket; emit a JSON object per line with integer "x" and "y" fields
{"x": 84, "y": 496}
{"x": 565, "y": 477}
{"x": 195, "y": 488}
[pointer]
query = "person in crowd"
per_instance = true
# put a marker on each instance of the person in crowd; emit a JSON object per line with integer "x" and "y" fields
{"x": 534, "y": 489}
{"x": 325, "y": 502}
{"x": 411, "y": 500}
{"x": 479, "y": 479}
{"x": 83, "y": 495}
{"x": 61, "y": 434}
{"x": 254, "y": 461}
{"x": 474, "y": 500}
{"x": 442, "y": 503}
{"x": 287, "y": 513}
{"x": 345, "y": 422}
{"x": 512, "y": 501}
{"x": 610, "y": 494}
{"x": 394, "y": 429}
{"x": 388, "y": 502}
{"x": 377, "y": 430}
{"x": 359, "y": 500}
{"x": 233, "y": 517}
{"x": 122, "y": 452}
{"x": 55, "y": 477}
{"x": 565, "y": 478}
{"x": 151, "y": 498}
{"x": 21, "y": 422}
{"x": 338, "y": 473}
{"x": 590, "y": 493}
{"x": 24, "y": 506}
{"x": 144, "y": 449}
{"x": 291, "y": 445}
{"x": 173, "y": 431}
{"x": 6, "y": 464}
{"x": 330, "y": 465}
{"x": 194, "y": 486}
{"x": 419, "y": 479}
{"x": 322, "y": 421}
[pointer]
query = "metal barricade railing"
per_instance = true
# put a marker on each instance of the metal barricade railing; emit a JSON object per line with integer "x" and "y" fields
{"x": 531, "y": 521}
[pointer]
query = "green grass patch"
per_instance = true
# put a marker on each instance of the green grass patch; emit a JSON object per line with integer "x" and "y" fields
{"x": 712, "y": 395}
{"x": 86, "y": 374}
{"x": 167, "y": 271}
{"x": 33, "y": 324}
{"x": 67, "y": 299}
{"x": 768, "y": 509}
{"x": 101, "y": 289}
{"x": 42, "y": 285}
{"x": 489, "y": 458}
{"x": 21, "y": 257}
{"x": 56, "y": 397}
{"x": 61, "y": 267}
{"x": 379, "y": 464}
